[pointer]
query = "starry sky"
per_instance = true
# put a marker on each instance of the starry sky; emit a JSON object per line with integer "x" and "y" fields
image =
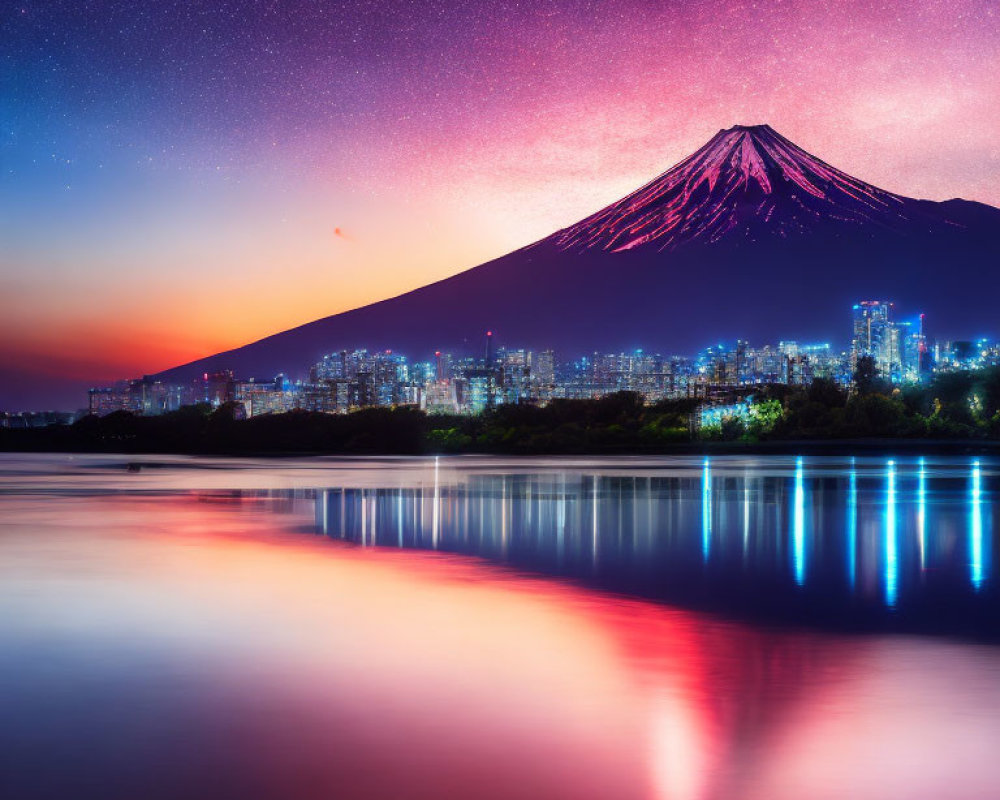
{"x": 184, "y": 177}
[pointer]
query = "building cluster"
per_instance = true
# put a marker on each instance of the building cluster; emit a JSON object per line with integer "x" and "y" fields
{"x": 351, "y": 379}
{"x": 897, "y": 348}
{"x": 900, "y": 350}
{"x": 35, "y": 419}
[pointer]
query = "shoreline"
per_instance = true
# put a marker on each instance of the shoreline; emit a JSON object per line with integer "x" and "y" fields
{"x": 816, "y": 447}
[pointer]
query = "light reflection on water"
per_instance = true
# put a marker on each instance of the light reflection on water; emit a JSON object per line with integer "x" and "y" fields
{"x": 976, "y": 528}
{"x": 180, "y": 633}
{"x": 706, "y": 511}
{"x": 799, "y": 534}
{"x": 769, "y": 534}
{"x": 852, "y": 526}
{"x": 891, "y": 556}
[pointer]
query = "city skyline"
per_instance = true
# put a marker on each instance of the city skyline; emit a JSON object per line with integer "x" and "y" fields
{"x": 898, "y": 344}
{"x": 457, "y": 382}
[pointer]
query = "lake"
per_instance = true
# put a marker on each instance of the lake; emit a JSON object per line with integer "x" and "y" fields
{"x": 730, "y": 627}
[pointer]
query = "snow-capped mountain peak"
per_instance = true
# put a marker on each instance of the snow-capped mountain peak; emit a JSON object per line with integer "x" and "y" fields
{"x": 746, "y": 181}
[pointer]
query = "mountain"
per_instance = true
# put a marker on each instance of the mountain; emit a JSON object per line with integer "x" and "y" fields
{"x": 749, "y": 237}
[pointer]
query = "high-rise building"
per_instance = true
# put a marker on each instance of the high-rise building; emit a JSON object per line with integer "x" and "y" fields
{"x": 875, "y": 334}
{"x": 544, "y": 374}
{"x": 442, "y": 366}
{"x": 513, "y": 368}
{"x": 914, "y": 354}
{"x": 215, "y": 388}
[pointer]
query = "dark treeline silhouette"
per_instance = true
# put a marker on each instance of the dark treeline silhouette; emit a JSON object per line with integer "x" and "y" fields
{"x": 618, "y": 423}
{"x": 201, "y": 429}
{"x": 954, "y": 405}
{"x": 957, "y": 407}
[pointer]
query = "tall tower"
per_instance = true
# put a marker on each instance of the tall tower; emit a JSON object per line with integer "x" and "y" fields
{"x": 491, "y": 383}
{"x": 442, "y": 366}
{"x": 544, "y": 374}
{"x": 874, "y": 334}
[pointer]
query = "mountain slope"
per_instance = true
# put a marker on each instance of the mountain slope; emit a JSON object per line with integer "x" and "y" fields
{"x": 748, "y": 237}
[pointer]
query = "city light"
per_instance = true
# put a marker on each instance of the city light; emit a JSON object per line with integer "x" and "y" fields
{"x": 852, "y": 525}
{"x": 798, "y": 525}
{"x": 922, "y": 514}
{"x": 746, "y": 515}
{"x": 891, "y": 554}
{"x": 976, "y": 529}
{"x": 706, "y": 510}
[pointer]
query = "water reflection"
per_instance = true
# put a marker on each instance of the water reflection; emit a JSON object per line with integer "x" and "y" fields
{"x": 706, "y": 511}
{"x": 852, "y": 525}
{"x": 891, "y": 556}
{"x": 798, "y": 531}
{"x": 922, "y": 513}
{"x": 976, "y": 531}
{"x": 644, "y": 533}
{"x": 198, "y": 643}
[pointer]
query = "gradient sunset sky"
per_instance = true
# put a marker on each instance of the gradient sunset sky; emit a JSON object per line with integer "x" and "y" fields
{"x": 184, "y": 177}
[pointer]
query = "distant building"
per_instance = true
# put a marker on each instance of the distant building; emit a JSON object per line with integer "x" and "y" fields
{"x": 544, "y": 375}
{"x": 442, "y": 366}
{"x": 874, "y": 334}
{"x": 513, "y": 376}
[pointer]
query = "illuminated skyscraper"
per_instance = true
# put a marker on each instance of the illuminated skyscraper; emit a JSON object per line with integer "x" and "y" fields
{"x": 513, "y": 375}
{"x": 544, "y": 374}
{"x": 874, "y": 334}
{"x": 442, "y": 366}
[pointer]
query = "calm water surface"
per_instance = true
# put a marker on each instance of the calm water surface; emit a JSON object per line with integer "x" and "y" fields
{"x": 633, "y": 628}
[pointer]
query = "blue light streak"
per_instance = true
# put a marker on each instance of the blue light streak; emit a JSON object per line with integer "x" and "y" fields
{"x": 746, "y": 514}
{"x": 593, "y": 523}
{"x": 799, "y": 525}
{"x": 399, "y": 517}
{"x": 852, "y": 526}
{"x": 976, "y": 529}
{"x": 436, "y": 508}
{"x": 891, "y": 554}
{"x": 706, "y": 510}
{"x": 922, "y": 514}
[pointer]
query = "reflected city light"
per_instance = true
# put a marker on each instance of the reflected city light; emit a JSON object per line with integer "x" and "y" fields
{"x": 364, "y": 519}
{"x": 891, "y": 554}
{"x": 922, "y": 515}
{"x": 323, "y": 511}
{"x": 798, "y": 525}
{"x": 746, "y": 515}
{"x": 435, "y": 509}
{"x": 706, "y": 510}
{"x": 399, "y": 518}
{"x": 976, "y": 530}
{"x": 640, "y": 533}
{"x": 594, "y": 525}
{"x": 852, "y": 525}
{"x": 503, "y": 515}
